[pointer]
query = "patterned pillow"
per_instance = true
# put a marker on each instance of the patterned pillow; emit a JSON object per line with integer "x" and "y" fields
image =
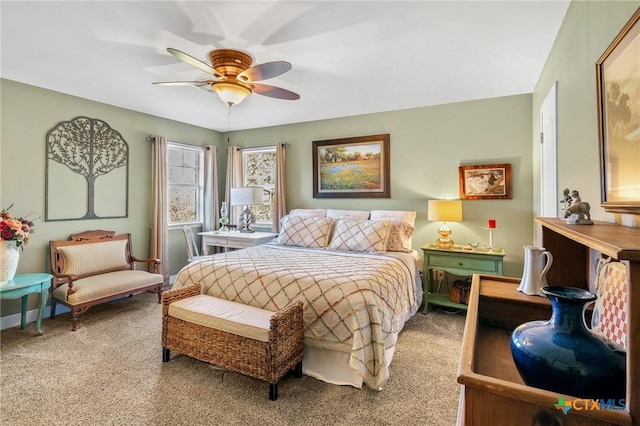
{"x": 610, "y": 311}
{"x": 94, "y": 257}
{"x": 368, "y": 236}
{"x": 305, "y": 231}
{"x": 402, "y": 229}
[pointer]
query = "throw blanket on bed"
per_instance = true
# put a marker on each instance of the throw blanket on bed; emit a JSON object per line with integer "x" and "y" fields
{"x": 352, "y": 302}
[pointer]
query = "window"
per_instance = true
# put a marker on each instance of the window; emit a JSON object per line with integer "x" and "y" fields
{"x": 259, "y": 169}
{"x": 185, "y": 183}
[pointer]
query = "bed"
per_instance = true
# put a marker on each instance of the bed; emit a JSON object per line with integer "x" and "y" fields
{"x": 357, "y": 294}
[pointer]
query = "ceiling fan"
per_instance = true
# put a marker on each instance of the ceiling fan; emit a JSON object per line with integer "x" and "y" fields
{"x": 234, "y": 76}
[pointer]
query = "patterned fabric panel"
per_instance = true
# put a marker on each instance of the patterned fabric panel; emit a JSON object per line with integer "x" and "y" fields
{"x": 353, "y": 302}
{"x": 95, "y": 257}
{"x": 365, "y": 236}
{"x": 610, "y": 311}
{"x": 105, "y": 285}
{"x": 400, "y": 237}
{"x": 305, "y": 231}
{"x": 348, "y": 214}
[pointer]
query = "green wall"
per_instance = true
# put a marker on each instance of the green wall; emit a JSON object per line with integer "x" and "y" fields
{"x": 586, "y": 32}
{"x": 27, "y": 113}
{"x": 427, "y": 146}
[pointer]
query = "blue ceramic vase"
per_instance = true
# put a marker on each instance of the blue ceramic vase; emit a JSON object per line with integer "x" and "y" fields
{"x": 562, "y": 355}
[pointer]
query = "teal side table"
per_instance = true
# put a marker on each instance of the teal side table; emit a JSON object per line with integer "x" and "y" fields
{"x": 22, "y": 286}
{"x": 458, "y": 262}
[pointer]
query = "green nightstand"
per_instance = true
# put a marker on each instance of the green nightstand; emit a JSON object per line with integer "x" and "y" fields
{"x": 459, "y": 262}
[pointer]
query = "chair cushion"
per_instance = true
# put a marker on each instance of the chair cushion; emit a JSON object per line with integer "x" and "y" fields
{"x": 224, "y": 315}
{"x": 104, "y": 285}
{"x": 84, "y": 259}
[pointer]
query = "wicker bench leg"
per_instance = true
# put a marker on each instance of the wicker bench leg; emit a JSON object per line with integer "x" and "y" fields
{"x": 297, "y": 370}
{"x": 273, "y": 391}
{"x": 166, "y": 353}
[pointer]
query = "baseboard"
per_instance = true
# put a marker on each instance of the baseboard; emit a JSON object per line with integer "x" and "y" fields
{"x": 14, "y": 320}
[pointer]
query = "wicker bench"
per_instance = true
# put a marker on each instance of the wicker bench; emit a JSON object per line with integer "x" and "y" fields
{"x": 245, "y": 339}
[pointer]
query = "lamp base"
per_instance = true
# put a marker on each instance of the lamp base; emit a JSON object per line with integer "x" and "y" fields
{"x": 444, "y": 242}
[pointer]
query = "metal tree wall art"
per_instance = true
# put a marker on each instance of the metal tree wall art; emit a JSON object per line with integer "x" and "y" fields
{"x": 79, "y": 152}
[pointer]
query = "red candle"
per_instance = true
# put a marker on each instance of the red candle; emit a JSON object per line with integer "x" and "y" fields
{"x": 492, "y": 223}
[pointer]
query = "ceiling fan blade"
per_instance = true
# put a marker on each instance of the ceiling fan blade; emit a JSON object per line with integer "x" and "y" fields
{"x": 274, "y": 92}
{"x": 199, "y": 83}
{"x": 191, "y": 60}
{"x": 264, "y": 71}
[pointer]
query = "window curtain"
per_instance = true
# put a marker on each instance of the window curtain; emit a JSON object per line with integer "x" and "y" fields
{"x": 279, "y": 197}
{"x": 233, "y": 180}
{"x": 211, "y": 209}
{"x": 159, "y": 230}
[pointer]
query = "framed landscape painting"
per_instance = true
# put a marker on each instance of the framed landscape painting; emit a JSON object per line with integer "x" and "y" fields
{"x": 618, "y": 84}
{"x": 352, "y": 167}
{"x": 485, "y": 182}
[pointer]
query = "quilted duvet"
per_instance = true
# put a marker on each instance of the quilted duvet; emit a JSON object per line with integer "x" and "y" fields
{"x": 353, "y": 302}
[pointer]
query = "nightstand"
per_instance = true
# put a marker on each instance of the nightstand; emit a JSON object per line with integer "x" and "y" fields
{"x": 21, "y": 286}
{"x": 459, "y": 262}
{"x": 234, "y": 240}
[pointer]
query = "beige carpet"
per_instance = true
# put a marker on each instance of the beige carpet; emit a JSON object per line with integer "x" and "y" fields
{"x": 109, "y": 372}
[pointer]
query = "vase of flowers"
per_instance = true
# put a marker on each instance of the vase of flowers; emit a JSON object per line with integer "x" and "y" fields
{"x": 14, "y": 235}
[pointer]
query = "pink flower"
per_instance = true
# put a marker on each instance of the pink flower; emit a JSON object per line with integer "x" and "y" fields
{"x": 17, "y": 229}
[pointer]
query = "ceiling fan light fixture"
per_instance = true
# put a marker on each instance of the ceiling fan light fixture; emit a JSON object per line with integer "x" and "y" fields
{"x": 231, "y": 93}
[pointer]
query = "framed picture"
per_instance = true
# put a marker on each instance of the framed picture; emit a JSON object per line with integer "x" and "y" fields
{"x": 618, "y": 84}
{"x": 485, "y": 182}
{"x": 352, "y": 167}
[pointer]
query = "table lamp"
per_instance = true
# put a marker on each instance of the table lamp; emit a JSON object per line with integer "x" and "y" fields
{"x": 247, "y": 196}
{"x": 445, "y": 211}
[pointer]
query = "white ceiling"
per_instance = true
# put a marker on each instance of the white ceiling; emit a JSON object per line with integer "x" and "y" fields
{"x": 348, "y": 58}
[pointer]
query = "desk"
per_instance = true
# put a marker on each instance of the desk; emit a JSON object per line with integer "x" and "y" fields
{"x": 234, "y": 240}
{"x": 458, "y": 262}
{"x": 23, "y": 285}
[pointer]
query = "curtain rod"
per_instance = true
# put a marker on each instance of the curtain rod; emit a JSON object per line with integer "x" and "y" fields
{"x": 285, "y": 144}
{"x": 151, "y": 138}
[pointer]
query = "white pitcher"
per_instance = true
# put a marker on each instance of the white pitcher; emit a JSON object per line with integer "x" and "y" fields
{"x": 537, "y": 262}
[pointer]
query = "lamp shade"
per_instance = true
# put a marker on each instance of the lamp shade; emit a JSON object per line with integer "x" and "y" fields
{"x": 445, "y": 210}
{"x": 247, "y": 195}
{"x": 230, "y": 92}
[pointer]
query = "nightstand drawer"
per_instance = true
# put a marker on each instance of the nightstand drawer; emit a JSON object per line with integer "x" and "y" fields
{"x": 458, "y": 262}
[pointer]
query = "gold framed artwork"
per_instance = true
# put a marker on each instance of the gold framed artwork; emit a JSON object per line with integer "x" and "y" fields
{"x": 485, "y": 182}
{"x": 618, "y": 85}
{"x": 352, "y": 167}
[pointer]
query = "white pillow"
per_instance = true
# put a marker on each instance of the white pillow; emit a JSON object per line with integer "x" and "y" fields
{"x": 368, "y": 236}
{"x": 308, "y": 212}
{"x": 313, "y": 232}
{"x": 348, "y": 214}
{"x": 402, "y": 229}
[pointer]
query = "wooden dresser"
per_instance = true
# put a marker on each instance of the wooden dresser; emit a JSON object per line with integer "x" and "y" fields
{"x": 492, "y": 391}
